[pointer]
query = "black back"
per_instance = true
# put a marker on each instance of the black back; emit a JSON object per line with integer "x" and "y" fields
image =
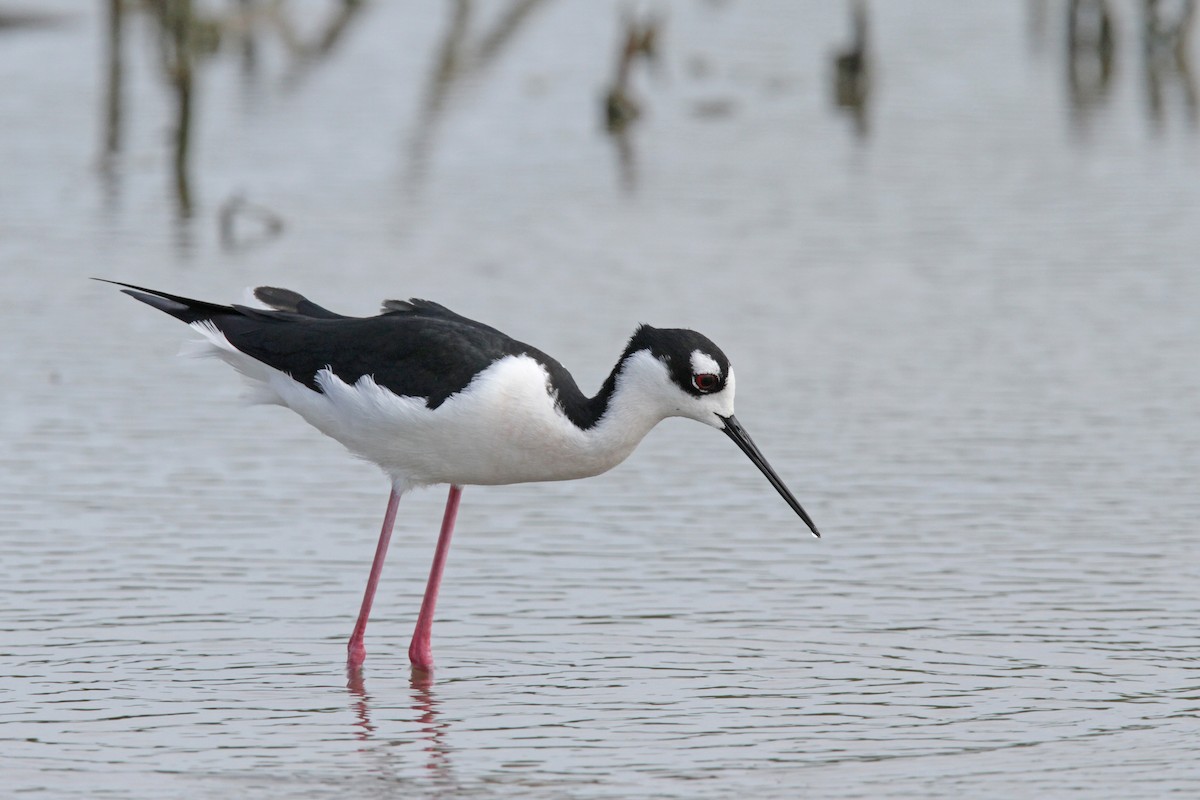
{"x": 415, "y": 348}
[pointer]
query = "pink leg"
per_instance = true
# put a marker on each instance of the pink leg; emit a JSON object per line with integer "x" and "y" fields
{"x": 356, "y": 652}
{"x": 420, "y": 652}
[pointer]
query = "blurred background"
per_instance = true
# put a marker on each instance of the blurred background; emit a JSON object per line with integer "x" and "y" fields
{"x": 950, "y": 247}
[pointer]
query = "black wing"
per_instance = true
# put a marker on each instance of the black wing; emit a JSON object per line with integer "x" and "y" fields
{"x": 416, "y": 348}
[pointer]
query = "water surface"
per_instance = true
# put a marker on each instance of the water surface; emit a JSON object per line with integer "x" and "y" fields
{"x": 963, "y": 318}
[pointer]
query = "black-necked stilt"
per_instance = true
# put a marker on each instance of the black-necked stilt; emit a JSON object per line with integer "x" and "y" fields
{"x": 433, "y": 397}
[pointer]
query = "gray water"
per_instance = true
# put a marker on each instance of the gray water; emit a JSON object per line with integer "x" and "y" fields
{"x": 963, "y": 318}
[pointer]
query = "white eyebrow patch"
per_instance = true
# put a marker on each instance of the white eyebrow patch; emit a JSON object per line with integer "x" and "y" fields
{"x": 703, "y": 363}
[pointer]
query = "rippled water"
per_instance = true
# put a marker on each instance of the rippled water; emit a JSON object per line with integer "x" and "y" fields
{"x": 965, "y": 332}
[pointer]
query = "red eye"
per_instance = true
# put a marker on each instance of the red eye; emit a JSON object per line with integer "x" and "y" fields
{"x": 705, "y": 381}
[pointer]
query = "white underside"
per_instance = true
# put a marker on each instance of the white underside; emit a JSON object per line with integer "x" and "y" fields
{"x": 503, "y": 428}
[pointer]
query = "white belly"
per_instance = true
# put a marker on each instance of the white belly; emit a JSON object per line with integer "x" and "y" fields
{"x": 503, "y": 428}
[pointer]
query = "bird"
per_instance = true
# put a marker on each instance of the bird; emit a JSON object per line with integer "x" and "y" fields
{"x": 433, "y": 397}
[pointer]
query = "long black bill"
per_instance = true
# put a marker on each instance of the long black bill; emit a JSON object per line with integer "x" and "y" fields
{"x": 736, "y": 432}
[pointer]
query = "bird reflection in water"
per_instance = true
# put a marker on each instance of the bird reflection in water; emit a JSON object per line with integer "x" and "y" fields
{"x": 430, "y": 729}
{"x": 362, "y": 704}
{"x": 425, "y": 704}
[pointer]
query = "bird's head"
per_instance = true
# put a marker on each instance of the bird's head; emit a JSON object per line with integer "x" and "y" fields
{"x": 688, "y": 376}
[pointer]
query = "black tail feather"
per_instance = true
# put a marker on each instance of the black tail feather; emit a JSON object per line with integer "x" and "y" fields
{"x": 182, "y": 308}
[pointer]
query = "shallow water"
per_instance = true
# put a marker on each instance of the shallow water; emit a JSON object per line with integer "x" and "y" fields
{"x": 965, "y": 333}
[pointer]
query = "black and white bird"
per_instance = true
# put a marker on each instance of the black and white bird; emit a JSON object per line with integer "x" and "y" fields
{"x": 435, "y": 398}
